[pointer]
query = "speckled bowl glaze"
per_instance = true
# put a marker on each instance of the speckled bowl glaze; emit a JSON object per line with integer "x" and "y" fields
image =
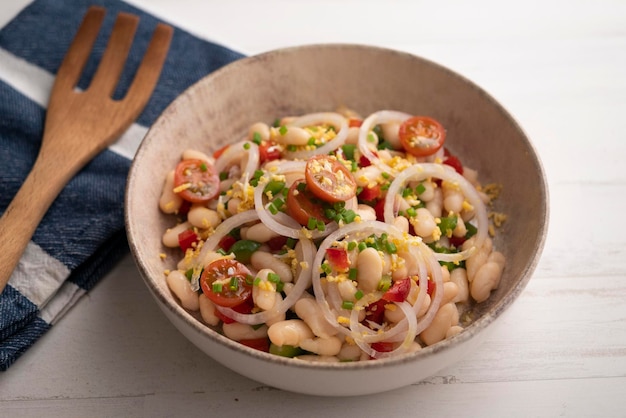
{"x": 219, "y": 109}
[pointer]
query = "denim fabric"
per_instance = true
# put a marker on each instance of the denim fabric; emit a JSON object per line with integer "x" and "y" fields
{"x": 84, "y": 228}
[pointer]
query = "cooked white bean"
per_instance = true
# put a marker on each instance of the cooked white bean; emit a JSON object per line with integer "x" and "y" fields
{"x": 264, "y": 260}
{"x": 450, "y": 292}
{"x": 367, "y": 176}
{"x": 453, "y": 199}
{"x": 390, "y": 133}
{"x": 366, "y": 212}
{"x": 260, "y": 233}
{"x": 401, "y": 223}
{"x": 207, "y": 310}
{"x": 442, "y": 322}
{"x": 369, "y": 269}
{"x": 425, "y": 305}
{"x": 278, "y": 317}
{"x": 460, "y": 230}
{"x": 429, "y": 191}
{"x": 401, "y": 271}
{"x": 322, "y": 346}
{"x": 169, "y": 202}
{"x": 486, "y": 279}
{"x": 289, "y": 332}
{"x": 424, "y": 223}
{"x": 192, "y": 154}
{"x": 264, "y": 292}
{"x": 453, "y": 330}
{"x": 237, "y": 331}
{"x": 497, "y": 257}
{"x": 260, "y": 128}
{"x": 459, "y": 277}
{"x": 353, "y": 135}
{"x": 435, "y": 205}
{"x": 233, "y": 205}
{"x": 180, "y": 286}
{"x": 170, "y": 237}
{"x": 202, "y": 217}
{"x": 349, "y": 352}
{"x": 311, "y": 313}
{"x": 347, "y": 290}
{"x": 393, "y": 314}
{"x": 294, "y": 135}
{"x": 445, "y": 274}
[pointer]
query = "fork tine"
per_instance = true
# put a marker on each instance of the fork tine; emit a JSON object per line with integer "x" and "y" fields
{"x": 114, "y": 57}
{"x": 150, "y": 68}
{"x": 77, "y": 55}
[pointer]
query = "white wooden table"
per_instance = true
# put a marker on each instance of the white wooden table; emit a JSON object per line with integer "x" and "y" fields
{"x": 560, "y": 68}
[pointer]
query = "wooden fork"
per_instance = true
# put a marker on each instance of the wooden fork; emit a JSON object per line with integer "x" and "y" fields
{"x": 79, "y": 125}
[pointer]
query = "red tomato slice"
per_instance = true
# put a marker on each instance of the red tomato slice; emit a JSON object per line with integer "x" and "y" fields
{"x": 455, "y": 163}
{"x": 277, "y": 243}
{"x": 375, "y": 312}
{"x": 398, "y": 291}
{"x": 199, "y": 178}
{"x": 301, "y": 205}
{"x": 338, "y": 259}
{"x": 244, "y": 308}
{"x": 227, "y": 242}
{"x": 224, "y": 271}
{"x": 421, "y": 136}
{"x": 220, "y": 151}
{"x": 354, "y": 123}
{"x": 268, "y": 151}
{"x": 186, "y": 239}
{"x": 379, "y": 208}
{"x": 431, "y": 287}
{"x": 328, "y": 179}
{"x": 383, "y": 346}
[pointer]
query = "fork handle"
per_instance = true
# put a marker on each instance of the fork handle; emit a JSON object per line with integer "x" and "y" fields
{"x": 27, "y": 209}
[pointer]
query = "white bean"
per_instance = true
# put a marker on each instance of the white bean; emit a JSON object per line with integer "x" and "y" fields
{"x": 278, "y": 317}
{"x": 453, "y": 330}
{"x": 366, "y": 212}
{"x": 390, "y": 133}
{"x": 169, "y": 202}
{"x": 429, "y": 191}
{"x": 180, "y": 286}
{"x": 170, "y": 237}
{"x": 323, "y": 346}
{"x": 207, "y": 310}
{"x": 264, "y": 292}
{"x": 293, "y": 136}
{"x": 453, "y": 199}
{"x": 311, "y": 313}
{"x": 459, "y": 277}
{"x": 289, "y": 332}
{"x": 487, "y": 278}
{"x": 369, "y": 269}
{"x": 192, "y": 154}
{"x": 260, "y": 233}
{"x": 349, "y": 352}
{"x": 237, "y": 331}
{"x": 460, "y": 230}
{"x": 424, "y": 223}
{"x": 435, "y": 205}
{"x": 202, "y": 217}
{"x": 450, "y": 292}
{"x": 262, "y": 129}
{"x": 401, "y": 223}
{"x": 425, "y": 305}
{"x": 367, "y": 176}
{"x": 264, "y": 260}
{"x": 393, "y": 314}
{"x": 442, "y": 322}
{"x": 353, "y": 135}
{"x": 233, "y": 205}
{"x": 347, "y": 290}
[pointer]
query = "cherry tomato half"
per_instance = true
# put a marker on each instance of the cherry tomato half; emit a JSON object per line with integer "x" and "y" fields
{"x": 328, "y": 179}
{"x": 301, "y": 205}
{"x": 268, "y": 151}
{"x": 421, "y": 136}
{"x": 201, "y": 181}
{"x": 229, "y": 276}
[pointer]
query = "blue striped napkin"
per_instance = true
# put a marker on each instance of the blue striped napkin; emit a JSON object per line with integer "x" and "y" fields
{"x": 82, "y": 235}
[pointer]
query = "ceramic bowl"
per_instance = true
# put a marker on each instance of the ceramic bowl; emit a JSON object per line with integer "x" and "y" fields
{"x": 219, "y": 109}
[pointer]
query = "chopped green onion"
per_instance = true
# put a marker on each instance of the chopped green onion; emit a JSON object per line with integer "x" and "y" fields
{"x": 291, "y": 243}
{"x": 234, "y": 284}
{"x": 385, "y": 175}
{"x": 312, "y": 224}
{"x": 362, "y": 246}
{"x": 273, "y": 277}
{"x": 292, "y": 148}
{"x": 348, "y": 151}
{"x": 385, "y": 283}
{"x": 279, "y": 203}
{"x": 391, "y": 247}
{"x": 385, "y": 186}
{"x": 223, "y": 175}
{"x": 354, "y": 167}
{"x": 274, "y": 187}
{"x": 216, "y": 288}
{"x": 326, "y": 267}
{"x": 221, "y": 251}
{"x": 330, "y": 213}
{"x": 321, "y": 226}
{"x": 352, "y": 273}
{"x": 411, "y": 212}
{"x": 246, "y": 145}
{"x": 249, "y": 279}
{"x": 347, "y": 304}
{"x": 301, "y": 187}
{"x": 272, "y": 208}
{"x": 311, "y": 141}
{"x": 243, "y": 250}
{"x": 256, "y": 138}
{"x": 351, "y": 245}
{"x": 203, "y": 167}
{"x": 420, "y": 188}
{"x": 282, "y": 130}
{"x": 407, "y": 192}
{"x": 384, "y": 145}
{"x": 358, "y": 295}
{"x": 189, "y": 274}
{"x": 349, "y": 216}
{"x": 257, "y": 281}
{"x": 280, "y": 286}
{"x": 371, "y": 138}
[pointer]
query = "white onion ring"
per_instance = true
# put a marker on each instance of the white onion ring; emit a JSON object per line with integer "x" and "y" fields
{"x": 446, "y": 173}
{"x": 382, "y": 116}
{"x": 221, "y": 231}
{"x": 238, "y": 152}
{"x": 316, "y": 118}
{"x": 302, "y": 283}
